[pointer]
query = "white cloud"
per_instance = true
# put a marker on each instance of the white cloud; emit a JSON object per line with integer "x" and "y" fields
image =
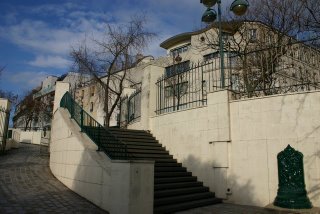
{"x": 50, "y": 61}
{"x": 26, "y": 80}
{"x": 55, "y": 9}
{"x": 69, "y": 24}
{"x": 38, "y": 36}
{"x": 75, "y": 21}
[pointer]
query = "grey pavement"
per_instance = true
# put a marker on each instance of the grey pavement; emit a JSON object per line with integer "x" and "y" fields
{"x": 28, "y": 186}
{"x": 226, "y": 208}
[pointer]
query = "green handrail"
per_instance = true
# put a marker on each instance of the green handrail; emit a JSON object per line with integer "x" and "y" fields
{"x": 113, "y": 147}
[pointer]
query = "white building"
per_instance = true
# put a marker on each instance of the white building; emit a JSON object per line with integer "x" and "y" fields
{"x": 44, "y": 97}
{"x": 229, "y": 137}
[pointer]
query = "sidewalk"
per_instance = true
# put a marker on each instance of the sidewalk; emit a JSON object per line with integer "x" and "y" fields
{"x": 241, "y": 209}
{"x": 27, "y": 186}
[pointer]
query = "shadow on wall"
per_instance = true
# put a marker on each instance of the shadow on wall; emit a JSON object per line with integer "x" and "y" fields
{"x": 218, "y": 180}
{"x": 307, "y": 131}
{"x": 314, "y": 181}
{"x": 303, "y": 105}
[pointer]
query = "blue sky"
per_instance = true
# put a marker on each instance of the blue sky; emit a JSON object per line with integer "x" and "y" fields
{"x": 36, "y": 36}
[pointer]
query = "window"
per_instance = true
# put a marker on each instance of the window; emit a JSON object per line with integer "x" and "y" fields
{"x": 82, "y": 94}
{"x": 232, "y": 55}
{"x": 226, "y": 37}
{"x": 179, "y": 50}
{"x": 91, "y": 107}
{"x": 211, "y": 56}
{"x": 92, "y": 90}
{"x": 235, "y": 82}
{"x": 177, "y": 90}
{"x": 269, "y": 38}
{"x": 313, "y": 59}
{"x": 177, "y": 68}
{"x": 252, "y": 35}
{"x": 233, "y": 58}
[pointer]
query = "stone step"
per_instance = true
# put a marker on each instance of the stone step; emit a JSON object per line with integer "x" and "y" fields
{"x": 179, "y": 191}
{"x": 177, "y": 185}
{"x": 183, "y": 198}
{"x": 185, "y": 205}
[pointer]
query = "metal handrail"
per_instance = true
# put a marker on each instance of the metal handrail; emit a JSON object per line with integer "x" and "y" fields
{"x": 113, "y": 147}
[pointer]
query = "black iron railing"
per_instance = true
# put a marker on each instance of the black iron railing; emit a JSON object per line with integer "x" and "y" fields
{"x": 189, "y": 88}
{"x": 104, "y": 139}
{"x": 256, "y": 73}
{"x": 130, "y": 108}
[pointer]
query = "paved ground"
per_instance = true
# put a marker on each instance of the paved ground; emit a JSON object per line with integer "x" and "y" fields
{"x": 240, "y": 209}
{"x": 27, "y": 186}
{"x": 227, "y": 209}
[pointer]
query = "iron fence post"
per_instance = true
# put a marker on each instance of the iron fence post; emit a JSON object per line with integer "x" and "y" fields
{"x": 128, "y": 110}
{"x": 72, "y": 109}
{"x": 81, "y": 119}
{"x": 99, "y": 140}
{"x": 221, "y": 48}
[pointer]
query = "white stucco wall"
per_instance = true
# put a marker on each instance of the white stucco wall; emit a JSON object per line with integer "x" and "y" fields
{"x": 16, "y": 135}
{"x": 199, "y": 138}
{"x": 61, "y": 89}
{"x": 4, "y": 105}
{"x": 260, "y": 129}
{"x": 150, "y": 75}
{"x": 33, "y": 137}
{"x": 232, "y": 146}
{"x": 116, "y": 186}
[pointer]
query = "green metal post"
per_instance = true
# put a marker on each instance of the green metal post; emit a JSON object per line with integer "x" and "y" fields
{"x": 81, "y": 119}
{"x": 99, "y": 140}
{"x": 292, "y": 192}
{"x": 221, "y": 46}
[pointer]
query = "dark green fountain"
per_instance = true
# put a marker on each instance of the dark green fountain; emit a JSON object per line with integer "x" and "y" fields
{"x": 292, "y": 192}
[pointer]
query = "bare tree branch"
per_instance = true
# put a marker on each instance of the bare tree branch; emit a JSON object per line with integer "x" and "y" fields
{"x": 112, "y": 57}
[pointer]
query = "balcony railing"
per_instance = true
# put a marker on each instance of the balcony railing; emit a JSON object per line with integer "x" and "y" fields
{"x": 254, "y": 74}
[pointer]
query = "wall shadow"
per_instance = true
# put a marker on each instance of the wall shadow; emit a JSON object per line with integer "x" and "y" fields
{"x": 232, "y": 189}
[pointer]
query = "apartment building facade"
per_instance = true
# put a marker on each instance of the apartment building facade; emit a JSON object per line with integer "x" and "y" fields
{"x": 40, "y": 100}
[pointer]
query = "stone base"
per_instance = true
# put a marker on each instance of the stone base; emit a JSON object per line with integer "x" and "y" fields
{"x": 291, "y": 200}
{"x": 279, "y": 210}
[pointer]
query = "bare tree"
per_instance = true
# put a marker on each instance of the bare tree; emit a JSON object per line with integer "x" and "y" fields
{"x": 28, "y": 110}
{"x": 12, "y": 97}
{"x": 111, "y": 58}
{"x": 175, "y": 81}
{"x": 31, "y": 110}
{"x": 312, "y": 15}
{"x": 257, "y": 48}
{"x": 311, "y": 20}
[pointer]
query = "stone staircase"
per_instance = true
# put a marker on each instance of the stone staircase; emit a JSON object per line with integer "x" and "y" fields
{"x": 175, "y": 188}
